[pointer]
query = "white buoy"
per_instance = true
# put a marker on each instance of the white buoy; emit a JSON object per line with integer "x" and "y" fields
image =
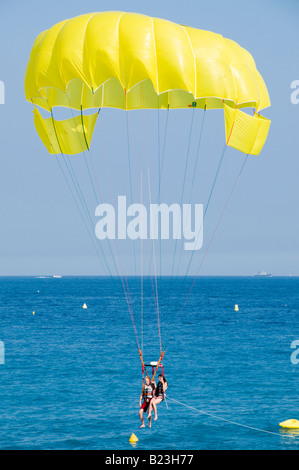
{"x": 236, "y": 308}
{"x": 84, "y": 305}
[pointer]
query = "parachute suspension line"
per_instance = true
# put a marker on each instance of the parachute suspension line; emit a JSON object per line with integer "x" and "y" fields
{"x": 147, "y": 248}
{"x": 133, "y": 153}
{"x": 86, "y": 161}
{"x": 205, "y": 212}
{"x": 125, "y": 287}
{"x": 164, "y": 142}
{"x": 157, "y": 296}
{"x": 207, "y": 205}
{"x": 127, "y": 294}
{"x": 141, "y": 268}
{"x": 90, "y": 177}
{"x": 144, "y": 126}
{"x": 209, "y": 198}
{"x": 190, "y": 197}
{"x": 141, "y": 252}
{"x": 193, "y": 178}
{"x": 79, "y": 192}
{"x": 213, "y": 236}
{"x": 143, "y": 120}
{"x": 53, "y": 122}
{"x": 160, "y": 168}
{"x": 111, "y": 195}
{"x": 81, "y": 199}
{"x": 78, "y": 189}
{"x": 160, "y": 176}
{"x": 114, "y": 252}
{"x": 160, "y": 179}
{"x": 198, "y": 149}
{"x": 78, "y": 208}
{"x": 204, "y": 216}
{"x": 93, "y": 186}
{"x": 182, "y": 195}
{"x": 82, "y": 123}
{"x": 130, "y": 175}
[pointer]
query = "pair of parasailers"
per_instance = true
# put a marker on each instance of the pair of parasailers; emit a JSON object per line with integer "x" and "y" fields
{"x": 152, "y": 395}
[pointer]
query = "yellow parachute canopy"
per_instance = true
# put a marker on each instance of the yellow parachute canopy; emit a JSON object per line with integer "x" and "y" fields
{"x": 131, "y": 61}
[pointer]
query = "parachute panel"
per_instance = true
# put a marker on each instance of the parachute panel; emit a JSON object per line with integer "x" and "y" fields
{"x": 69, "y": 136}
{"x": 245, "y": 133}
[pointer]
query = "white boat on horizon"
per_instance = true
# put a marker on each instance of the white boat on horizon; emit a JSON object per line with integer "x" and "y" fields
{"x": 56, "y": 275}
{"x": 262, "y": 274}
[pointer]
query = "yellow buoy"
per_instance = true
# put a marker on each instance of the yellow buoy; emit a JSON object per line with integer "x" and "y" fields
{"x": 84, "y": 306}
{"x": 236, "y": 308}
{"x": 133, "y": 438}
{"x": 33, "y": 313}
{"x": 290, "y": 424}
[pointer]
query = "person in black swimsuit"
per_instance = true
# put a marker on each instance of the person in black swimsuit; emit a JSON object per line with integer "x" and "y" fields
{"x": 159, "y": 395}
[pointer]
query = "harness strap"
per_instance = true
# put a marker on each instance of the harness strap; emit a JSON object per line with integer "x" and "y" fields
{"x": 143, "y": 366}
{"x": 157, "y": 366}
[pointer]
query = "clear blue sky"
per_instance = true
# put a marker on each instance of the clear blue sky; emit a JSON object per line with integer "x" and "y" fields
{"x": 41, "y": 232}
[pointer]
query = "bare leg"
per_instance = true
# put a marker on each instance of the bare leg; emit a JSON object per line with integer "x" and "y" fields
{"x": 150, "y": 408}
{"x": 150, "y": 422}
{"x": 141, "y": 418}
{"x": 155, "y": 411}
{"x": 155, "y": 403}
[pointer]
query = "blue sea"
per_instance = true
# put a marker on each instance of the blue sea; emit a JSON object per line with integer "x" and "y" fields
{"x": 71, "y": 377}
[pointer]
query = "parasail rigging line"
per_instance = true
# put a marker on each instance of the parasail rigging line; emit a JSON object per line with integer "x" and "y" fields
{"x": 156, "y": 284}
{"x": 79, "y": 192}
{"x": 207, "y": 205}
{"x": 78, "y": 208}
{"x": 150, "y": 256}
{"x": 94, "y": 189}
{"x": 182, "y": 195}
{"x": 193, "y": 178}
{"x": 84, "y": 207}
{"x": 114, "y": 256}
{"x": 160, "y": 162}
{"x": 130, "y": 175}
{"x": 205, "y": 213}
{"x": 124, "y": 281}
{"x": 90, "y": 178}
{"x": 211, "y": 240}
{"x": 141, "y": 270}
{"x": 159, "y": 181}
